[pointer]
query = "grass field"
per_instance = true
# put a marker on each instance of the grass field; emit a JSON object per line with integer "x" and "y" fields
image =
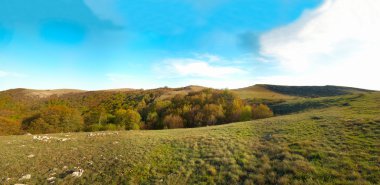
{"x": 262, "y": 93}
{"x": 333, "y": 145}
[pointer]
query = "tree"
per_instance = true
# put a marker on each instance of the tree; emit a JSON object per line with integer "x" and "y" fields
{"x": 9, "y": 127}
{"x": 261, "y": 111}
{"x": 213, "y": 114}
{"x": 246, "y": 113}
{"x": 152, "y": 120}
{"x": 173, "y": 121}
{"x": 56, "y": 118}
{"x": 131, "y": 119}
{"x": 233, "y": 109}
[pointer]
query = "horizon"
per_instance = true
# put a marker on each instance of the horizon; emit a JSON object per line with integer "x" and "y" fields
{"x": 178, "y": 87}
{"x": 145, "y": 44}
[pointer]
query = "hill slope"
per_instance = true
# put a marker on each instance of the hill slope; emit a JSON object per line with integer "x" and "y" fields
{"x": 278, "y": 92}
{"x": 261, "y": 92}
{"x": 313, "y": 91}
{"x": 335, "y": 145}
{"x": 17, "y": 106}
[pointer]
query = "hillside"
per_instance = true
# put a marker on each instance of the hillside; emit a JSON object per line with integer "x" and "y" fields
{"x": 337, "y": 144}
{"x": 313, "y": 91}
{"x": 278, "y": 92}
{"x": 33, "y": 111}
{"x": 261, "y": 92}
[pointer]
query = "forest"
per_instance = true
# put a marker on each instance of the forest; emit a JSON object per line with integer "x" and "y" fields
{"x": 134, "y": 110}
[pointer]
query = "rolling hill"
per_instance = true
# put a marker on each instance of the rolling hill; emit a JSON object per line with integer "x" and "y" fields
{"x": 260, "y": 91}
{"x": 334, "y": 144}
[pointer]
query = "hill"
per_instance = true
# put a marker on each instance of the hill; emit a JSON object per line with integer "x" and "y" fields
{"x": 278, "y": 92}
{"x": 192, "y": 106}
{"x": 314, "y": 91}
{"x": 261, "y": 92}
{"x": 337, "y": 144}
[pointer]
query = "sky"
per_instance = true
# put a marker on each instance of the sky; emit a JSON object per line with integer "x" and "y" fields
{"x": 106, "y": 44}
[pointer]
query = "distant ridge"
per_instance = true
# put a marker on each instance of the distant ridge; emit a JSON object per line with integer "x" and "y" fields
{"x": 259, "y": 91}
{"x": 313, "y": 91}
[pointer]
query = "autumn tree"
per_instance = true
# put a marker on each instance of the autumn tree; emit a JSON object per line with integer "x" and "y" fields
{"x": 261, "y": 111}
{"x": 152, "y": 120}
{"x": 213, "y": 114}
{"x": 173, "y": 121}
{"x": 9, "y": 127}
{"x": 131, "y": 119}
{"x": 56, "y": 118}
{"x": 246, "y": 113}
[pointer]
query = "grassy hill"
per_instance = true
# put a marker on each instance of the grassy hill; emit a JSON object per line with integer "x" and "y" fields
{"x": 261, "y": 92}
{"x": 278, "y": 92}
{"x": 334, "y": 144}
{"x": 313, "y": 91}
{"x": 18, "y": 105}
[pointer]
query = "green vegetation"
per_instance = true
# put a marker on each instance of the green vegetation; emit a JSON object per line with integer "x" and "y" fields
{"x": 313, "y": 91}
{"x": 261, "y": 92}
{"x": 334, "y": 144}
{"x": 54, "y": 119}
{"x": 129, "y": 110}
{"x": 302, "y": 104}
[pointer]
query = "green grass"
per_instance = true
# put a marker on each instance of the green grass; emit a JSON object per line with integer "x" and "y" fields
{"x": 334, "y": 145}
{"x": 259, "y": 92}
{"x": 304, "y": 104}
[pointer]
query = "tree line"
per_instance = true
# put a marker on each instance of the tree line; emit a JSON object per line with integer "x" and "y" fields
{"x": 141, "y": 110}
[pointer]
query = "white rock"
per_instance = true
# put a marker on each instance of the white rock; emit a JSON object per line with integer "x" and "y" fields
{"x": 51, "y": 179}
{"x": 25, "y": 177}
{"x": 30, "y": 156}
{"x": 78, "y": 173}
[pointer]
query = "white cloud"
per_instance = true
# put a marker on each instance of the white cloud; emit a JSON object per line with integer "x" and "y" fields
{"x": 204, "y": 67}
{"x": 338, "y": 43}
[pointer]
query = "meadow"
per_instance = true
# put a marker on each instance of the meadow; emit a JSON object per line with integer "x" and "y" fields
{"x": 334, "y": 144}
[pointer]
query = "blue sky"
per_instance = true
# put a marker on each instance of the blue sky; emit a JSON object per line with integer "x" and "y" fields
{"x": 100, "y": 44}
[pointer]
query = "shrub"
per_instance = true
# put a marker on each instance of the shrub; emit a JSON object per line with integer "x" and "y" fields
{"x": 261, "y": 111}
{"x": 95, "y": 128}
{"x": 113, "y": 127}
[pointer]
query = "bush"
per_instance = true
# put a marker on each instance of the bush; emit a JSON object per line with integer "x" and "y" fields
{"x": 261, "y": 111}
{"x": 113, "y": 127}
{"x": 95, "y": 128}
